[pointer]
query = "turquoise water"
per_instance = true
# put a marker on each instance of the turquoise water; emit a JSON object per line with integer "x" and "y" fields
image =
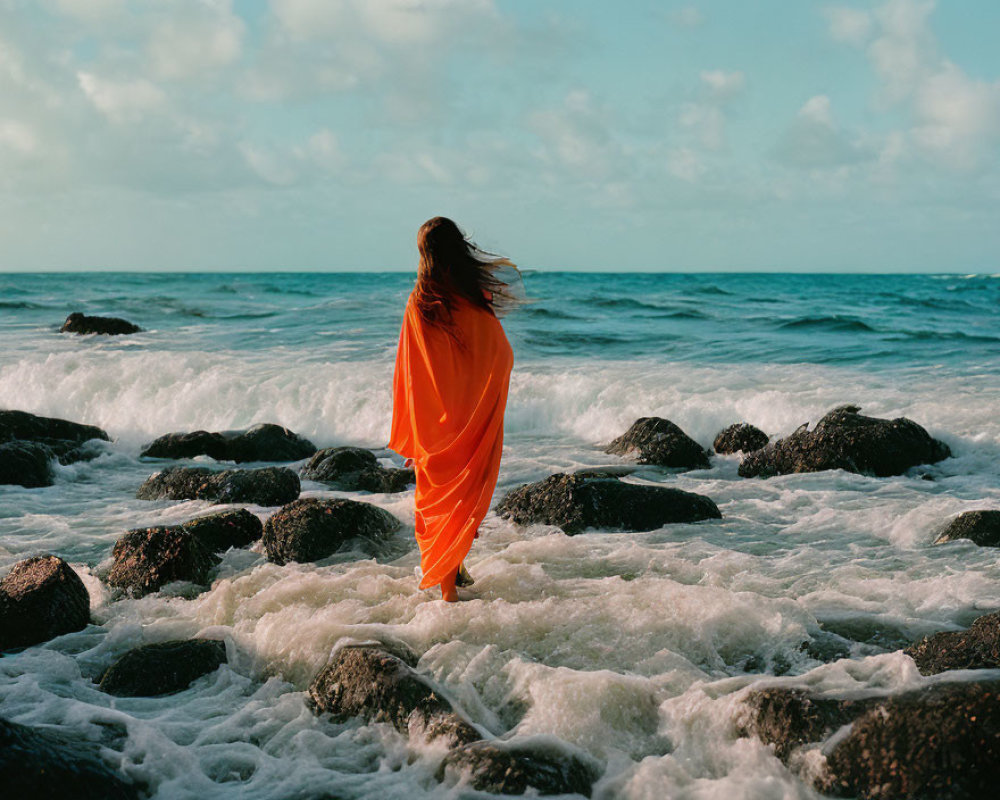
{"x": 631, "y": 647}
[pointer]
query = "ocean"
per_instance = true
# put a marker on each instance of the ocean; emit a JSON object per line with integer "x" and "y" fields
{"x": 631, "y": 647}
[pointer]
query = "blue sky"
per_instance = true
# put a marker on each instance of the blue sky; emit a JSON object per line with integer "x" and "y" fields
{"x": 318, "y": 134}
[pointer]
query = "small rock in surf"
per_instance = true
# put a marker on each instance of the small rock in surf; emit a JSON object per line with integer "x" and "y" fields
{"x": 40, "y": 598}
{"x": 111, "y": 326}
{"x": 979, "y": 527}
{"x": 356, "y": 469}
{"x": 653, "y": 440}
{"x": 740, "y": 437}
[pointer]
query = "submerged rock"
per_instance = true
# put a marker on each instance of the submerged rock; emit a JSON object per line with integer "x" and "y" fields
{"x": 596, "y": 500}
{"x": 368, "y": 681}
{"x": 264, "y": 442}
{"x": 654, "y": 440}
{"x": 976, "y": 648}
{"x": 25, "y": 464}
{"x": 162, "y": 668}
{"x": 942, "y": 741}
{"x": 145, "y": 559}
{"x": 356, "y": 469}
{"x": 979, "y": 527}
{"x": 46, "y": 764}
{"x": 218, "y": 532}
{"x": 844, "y": 439}
{"x": 503, "y": 768}
{"x": 40, "y": 598}
{"x": 269, "y": 486}
{"x": 740, "y": 437}
{"x": 112, "y": 326}
{"x": 311, "y": 529}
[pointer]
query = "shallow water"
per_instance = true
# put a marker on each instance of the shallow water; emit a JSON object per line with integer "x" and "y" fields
{"x": 631, "y": 647}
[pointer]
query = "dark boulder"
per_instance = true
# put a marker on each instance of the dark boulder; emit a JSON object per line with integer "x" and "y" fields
{"x": 269, "y": 486}
{"x": 264, "y": 442}
{"x": 219, "y": 532}
{"x": 368, "y": 681}
{"x": 504, "y": 768}
{"x": 146, "y": 559}
{"x": 844, "y": 439}
{"x": 942, "y": 741}
{"x": 596, "y": 500}
{"x": 40, "y": 598}
{"x": 55, "y": 766}
{"x": 654, "y": 440}
{"x": 162, "y": 668}
{"x": 980, "y": 527}
{"x": 25, "y": 464}
{"x": 22, "y": 425}
{"x": 112, "y": 326}
{"x": 356, "y": 469}
{"x": 311, "y": 529}
{"x": 939, "y": 742}
{"x": 739, "y": 437}
{"x": 976, "y": 648}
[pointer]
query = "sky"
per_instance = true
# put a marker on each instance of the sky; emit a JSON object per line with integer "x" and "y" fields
{"x": 721, "y": 135}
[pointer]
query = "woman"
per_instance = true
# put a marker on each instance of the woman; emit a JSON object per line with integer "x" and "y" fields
{"x": 449, "y": 394}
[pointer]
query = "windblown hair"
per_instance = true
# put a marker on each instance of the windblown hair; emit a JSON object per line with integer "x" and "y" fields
{"x": 453, "y": 268}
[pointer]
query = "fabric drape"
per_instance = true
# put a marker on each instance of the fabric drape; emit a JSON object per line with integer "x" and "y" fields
{"x": 449, "y": 396}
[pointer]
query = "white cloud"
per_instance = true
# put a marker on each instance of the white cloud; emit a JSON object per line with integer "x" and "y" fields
{"x": 196, "y": 36}
{"x": 815, "y": 141}
{"x": 577, "y": 138}
{"x": 122, "y": 101}
{"x": 722, "y": 84}
{"x": 850, "y": 25}
{"x": 686, "y": 164}
{"x": 686, "y": 17}
{"x": 707, "y": 122}
{"x": 17, "y": 136}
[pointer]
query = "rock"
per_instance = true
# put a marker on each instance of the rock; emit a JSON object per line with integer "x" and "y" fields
{"x": 976, "y": 648}
{"x": 939, "y": 742}
{"x": 980, "y": 527}
{"x": 513, "y": 769}
{"x": 46, "y": 764}
{"x": 311, "y": 529}
{"x": 219, "y": 532}
{"x": 843, "y": 439}
{"x": 595, "y": 500}
{"x": 269, "y": 486}
{"x": 368, "y": 681}
{"x": 942, "y": 741}
{"x": 112, "y": 326}
{"x": 162, "y": 668}
{"x": 264, "y": 442}
{"x": 25, "y": 464}
{"x": 789, "y": 718}
{"x": 22, "y": 425}
{"x": 356, "y": 469}
{"x": 739, "y": 437}
{"x": 146, "y": 559}
{"x": 40, "y": 598}
{"x": 658, "y": 441}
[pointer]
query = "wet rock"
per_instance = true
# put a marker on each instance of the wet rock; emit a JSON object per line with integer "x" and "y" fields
{"x": 942, "y": 741}
{"x": 367, "y": 681}
{"x": 980, "y": 527}
{"x": 741, "y": 436}
{"x": 844, "y": 439}
{"x": 789, "y": 718}
{"x": 219, "y": 532}
{"x": 514, "y": 769}
{"x": 976, "y": 648}
{"x": 40, "y": 598}
{"x": 311, "y": 529}
{"x": 596, "y": 500}
{"x": 653, "y": 440}
{"x": 269, "y": 486}
{"x": 264, "y": 442}
{"x": 22, "y": 425}
{"x": 356, "y": 469}
{"x": 46, "y": 764}
{"x": 145, "y": 559}
{"x": 939, "y": 742}
{"x": 112, "y": 326}
{"x": 25, "y": 464}
{"x": 162, "y": 668}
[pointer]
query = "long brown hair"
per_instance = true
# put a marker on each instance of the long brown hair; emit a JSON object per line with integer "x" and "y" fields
{"x": 452, "y": 267}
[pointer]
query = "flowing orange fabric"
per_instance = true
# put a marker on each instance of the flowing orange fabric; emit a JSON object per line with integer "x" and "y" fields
{"x": 447, "y": 415}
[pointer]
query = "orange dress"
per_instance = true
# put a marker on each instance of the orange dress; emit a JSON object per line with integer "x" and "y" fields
{"x": 447, "y": 415}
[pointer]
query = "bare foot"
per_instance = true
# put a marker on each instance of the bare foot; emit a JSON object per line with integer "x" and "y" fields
{"x": 463, "y": 578}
